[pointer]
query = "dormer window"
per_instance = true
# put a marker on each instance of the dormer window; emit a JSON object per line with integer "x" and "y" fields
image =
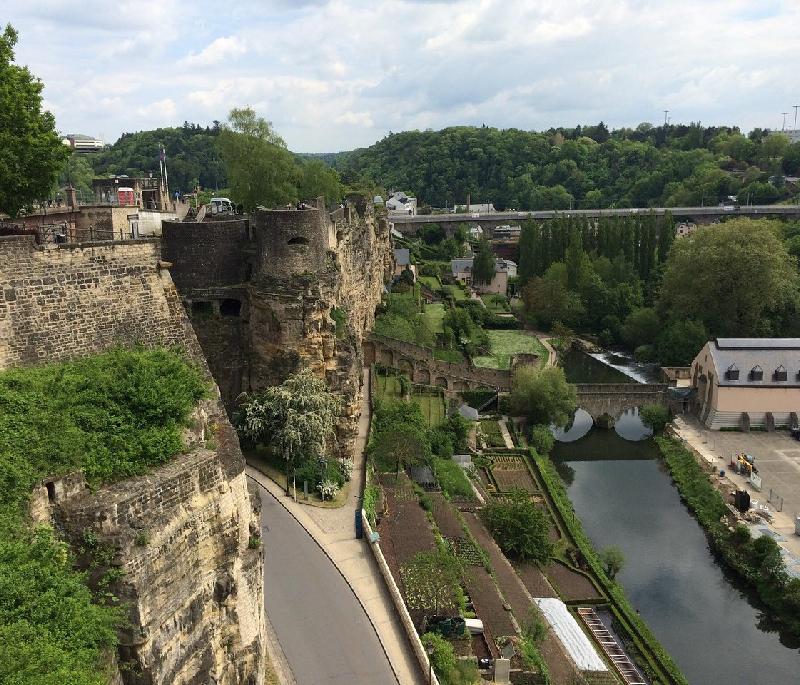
{"x": 780, "y": 373}
{"x": 756, "y": 373}
{"x": 732, "y": 374}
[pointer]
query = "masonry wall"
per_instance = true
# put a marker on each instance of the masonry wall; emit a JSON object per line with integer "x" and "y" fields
{"x": 181, "y": 533}
{"x": 68, "y": 301}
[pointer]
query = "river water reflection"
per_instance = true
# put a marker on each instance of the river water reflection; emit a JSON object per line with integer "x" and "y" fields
{"x": 624, "y": 497}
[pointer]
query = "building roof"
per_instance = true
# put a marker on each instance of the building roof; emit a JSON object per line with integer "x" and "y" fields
{"x": 402, "y": 256}
{"x": 766, "y": 354}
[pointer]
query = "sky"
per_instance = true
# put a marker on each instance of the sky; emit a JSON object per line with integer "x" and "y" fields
{"x": 339, "y": 74}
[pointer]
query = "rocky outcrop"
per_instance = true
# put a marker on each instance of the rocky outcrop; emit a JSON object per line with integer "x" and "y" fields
{"x": 284, "y": 290}
{"x": 178, "y": 547}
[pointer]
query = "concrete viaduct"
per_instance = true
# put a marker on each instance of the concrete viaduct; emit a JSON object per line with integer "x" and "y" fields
{"x": 410, "y": 224}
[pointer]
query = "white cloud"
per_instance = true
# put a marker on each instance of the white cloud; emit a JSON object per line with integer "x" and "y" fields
{"x": 218, "y": 50}
{"x": 338, "y": 74}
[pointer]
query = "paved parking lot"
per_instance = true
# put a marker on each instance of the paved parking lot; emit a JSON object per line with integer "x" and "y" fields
{"x": 777, "y": 458}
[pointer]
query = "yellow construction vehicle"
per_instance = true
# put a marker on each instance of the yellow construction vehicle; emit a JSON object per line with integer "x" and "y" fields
{"x": 745, "y": 464}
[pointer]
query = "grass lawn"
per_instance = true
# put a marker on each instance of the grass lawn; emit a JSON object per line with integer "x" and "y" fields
{"x": 456, "y": 291}
{"x": 431, "y": 281}
{"x": 497, "y": 304}
{"x": 452, "y": 356}
{"x": 388, "y": 387}
{"x": 504, "y": 344}
{"x": 433, "y": 408}
{"x": 494, "y": 437}
{"x": 434, "y": 315}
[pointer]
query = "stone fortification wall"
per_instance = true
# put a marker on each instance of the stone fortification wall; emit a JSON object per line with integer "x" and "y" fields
{"x": 286, "y": 278}
{"x": 420, "y": 364}
{"x": 64, "y": 301}
{"x": 180, "y": 534}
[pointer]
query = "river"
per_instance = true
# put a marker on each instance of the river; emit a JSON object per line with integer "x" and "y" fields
{"x": 620, "y": 489}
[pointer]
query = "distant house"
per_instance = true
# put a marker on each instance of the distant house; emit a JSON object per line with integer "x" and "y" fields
{"x": 684, "y": 229}
{"x": 743, "y": 382}
{"x": 505, "y": 269}
{"x": 475, "y": 232}
{"x": 400, "y": 203}
{"x": 378, "y": 200}
{"x": 82, "y": 143}
{"x": 507, "y": 232}
{"x": 402, "y": 261}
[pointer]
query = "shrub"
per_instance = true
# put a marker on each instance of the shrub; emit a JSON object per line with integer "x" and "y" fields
{"x": 655, "y": 416}
{"x": 542, "y": 439}
{"x": 519, "y": 527}
{"x": 452, "y": 478}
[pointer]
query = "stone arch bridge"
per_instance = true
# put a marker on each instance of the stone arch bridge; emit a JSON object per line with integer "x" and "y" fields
{"x": 606, "y": 401}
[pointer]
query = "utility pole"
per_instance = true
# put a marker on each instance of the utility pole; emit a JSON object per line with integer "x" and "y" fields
{"x": 784, "y": 120}
{"x": 795, "y": 116}
{"x": 666, "y": 111}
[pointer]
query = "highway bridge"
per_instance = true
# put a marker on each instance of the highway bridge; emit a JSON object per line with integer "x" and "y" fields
{"x": 410, "y": 224}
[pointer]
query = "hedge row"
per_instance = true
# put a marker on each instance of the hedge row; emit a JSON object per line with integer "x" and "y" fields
{"x": 660, "y": 667}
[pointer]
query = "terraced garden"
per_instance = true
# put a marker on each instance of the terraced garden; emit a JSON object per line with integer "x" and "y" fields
{"x": 504, "y": 344}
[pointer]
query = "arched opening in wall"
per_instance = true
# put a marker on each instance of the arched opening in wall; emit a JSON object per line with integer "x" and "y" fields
{"x": 230, "y": 307}
{"x": 202, "y": 309}
{"x": 51, "y": 491}
{"x": 298, "y": 240}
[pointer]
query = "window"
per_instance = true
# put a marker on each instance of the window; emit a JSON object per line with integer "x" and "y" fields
{"x": 732, "y": 374}
{"x": 230, "y": 307}
{"x": 780, "y": 374}
{"x": 298, "y": 240}
{"x": 756, "y": 373}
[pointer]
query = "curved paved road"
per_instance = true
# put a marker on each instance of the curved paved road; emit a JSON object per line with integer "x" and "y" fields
{"x": 319, "y": 623}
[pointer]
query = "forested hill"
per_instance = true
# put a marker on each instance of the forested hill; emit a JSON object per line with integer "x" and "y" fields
{"x": 192, "y": 156}
{"x": 590, "y": 167}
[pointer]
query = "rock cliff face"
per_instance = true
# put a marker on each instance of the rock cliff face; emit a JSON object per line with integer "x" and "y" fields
{"x": 177, "y": 546}
{"x": 283, "y": 290}
{"x": 182, "y": 549}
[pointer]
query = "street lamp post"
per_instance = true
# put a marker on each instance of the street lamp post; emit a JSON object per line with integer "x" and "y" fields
{"x": 429, "y": 651}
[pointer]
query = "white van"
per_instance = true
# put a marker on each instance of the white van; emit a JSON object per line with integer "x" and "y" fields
{"x": 221, "y": 205}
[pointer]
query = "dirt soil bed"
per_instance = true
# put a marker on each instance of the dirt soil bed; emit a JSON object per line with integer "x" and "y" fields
{"x": 534, "y": 580}
{"x": 446, "y": 519}
{"x": 488, "y": 605}
{"x": 570, "y": 584}
{"x": 404, "y": 530}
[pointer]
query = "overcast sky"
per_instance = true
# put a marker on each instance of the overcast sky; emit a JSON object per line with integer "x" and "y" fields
{"x": 334, "y": 75}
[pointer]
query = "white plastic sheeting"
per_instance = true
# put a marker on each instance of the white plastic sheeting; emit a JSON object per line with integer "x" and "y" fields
{"x": 575, "y": 641}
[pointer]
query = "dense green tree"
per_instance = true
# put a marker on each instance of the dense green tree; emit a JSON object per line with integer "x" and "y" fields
{"x": 547, "y": 299}
{"x": 679, "y": 343}
{"x": 400, "y": 446}
{"x": 612, "y": 559}
{"x": 520, "y": 528}
{"x": 483, "y": 265}
{"x": 78, "y": 173}
{"x": 542, "y": 395}
{"x": 729, "y": 278}
{"x": 641, "y": 327}
{"x": 296, "y": 419}
{"x": 261, "y": 171}
{"x": 318, "y": 180}
{"x": 31, "y": 152}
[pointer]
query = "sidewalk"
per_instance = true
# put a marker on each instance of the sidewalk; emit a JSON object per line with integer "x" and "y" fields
{"x": 334, "y": 531}
{"x": 552, "y": 358}
{"x": 709, "y": 446}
